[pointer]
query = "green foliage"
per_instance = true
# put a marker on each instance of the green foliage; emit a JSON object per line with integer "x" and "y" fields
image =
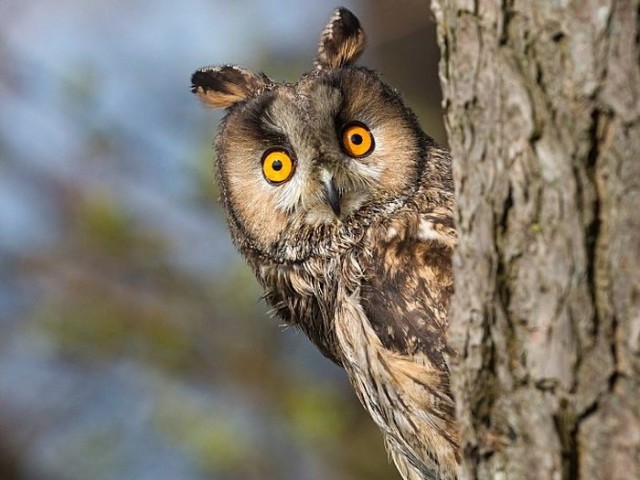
{"x": 103, "y": 224}
{"x": 316, "y": 412}
{"x": 213, "y": 438}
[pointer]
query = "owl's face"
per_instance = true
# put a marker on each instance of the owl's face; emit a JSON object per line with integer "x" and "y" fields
{"x": 301, "y": 161}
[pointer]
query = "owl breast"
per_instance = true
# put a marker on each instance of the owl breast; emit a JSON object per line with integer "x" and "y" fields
{"x": 376, "y": 303}
{"x": 305, "y": 293}
{"x": 374, "y": 298}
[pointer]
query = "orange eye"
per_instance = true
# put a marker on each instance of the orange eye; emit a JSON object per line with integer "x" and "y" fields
{"x": 357, "y": 140}
{"x": 277, "y": 166}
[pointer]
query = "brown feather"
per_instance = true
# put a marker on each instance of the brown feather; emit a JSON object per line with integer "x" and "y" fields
{"x": 342, "y": 41}
{"x": 223, "y": 87}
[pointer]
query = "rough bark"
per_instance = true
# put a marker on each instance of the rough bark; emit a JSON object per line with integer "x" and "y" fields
{"x": 543, "y": 114}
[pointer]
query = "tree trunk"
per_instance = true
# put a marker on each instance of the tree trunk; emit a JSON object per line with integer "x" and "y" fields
{"x": 543, "y": 113}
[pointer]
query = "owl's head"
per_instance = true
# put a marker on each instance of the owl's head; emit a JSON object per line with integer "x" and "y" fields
{"x": 300, "y": 162}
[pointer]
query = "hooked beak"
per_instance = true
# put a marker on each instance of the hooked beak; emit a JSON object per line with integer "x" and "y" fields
{"x": 331, "y": 194}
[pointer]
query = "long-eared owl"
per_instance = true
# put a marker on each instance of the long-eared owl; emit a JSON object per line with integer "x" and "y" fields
{"x": 343, "y": 207}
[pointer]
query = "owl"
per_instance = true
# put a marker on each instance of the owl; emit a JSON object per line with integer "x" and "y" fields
{"x": 343, "y": 208}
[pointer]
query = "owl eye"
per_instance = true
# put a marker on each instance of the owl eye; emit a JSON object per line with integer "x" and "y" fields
{"x": 357, "y": 139}
{"x": 277, "y": 165}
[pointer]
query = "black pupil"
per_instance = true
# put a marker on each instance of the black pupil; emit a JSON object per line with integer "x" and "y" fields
{"x": 276, "y": 165}
{"x": 356, "y": 139}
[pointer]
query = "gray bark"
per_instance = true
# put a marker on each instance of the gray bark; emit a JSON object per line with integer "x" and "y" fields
{"x": 543, "y": 114}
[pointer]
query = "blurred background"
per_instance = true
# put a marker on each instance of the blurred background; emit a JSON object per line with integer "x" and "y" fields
{"x": 133, "y": 344}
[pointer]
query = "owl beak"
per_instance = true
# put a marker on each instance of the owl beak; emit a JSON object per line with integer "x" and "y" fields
{"x": 332, "y": 196}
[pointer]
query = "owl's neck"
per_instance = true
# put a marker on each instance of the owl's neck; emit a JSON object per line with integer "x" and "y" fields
{"x": 304, "y": 295}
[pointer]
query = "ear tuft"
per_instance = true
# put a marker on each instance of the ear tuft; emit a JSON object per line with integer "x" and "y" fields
{"x": 342, "y": 41}
{"x": 224, "y": 86}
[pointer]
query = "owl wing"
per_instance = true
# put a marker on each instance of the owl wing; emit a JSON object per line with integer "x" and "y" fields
{"x": 409, "y": 282}
{"x": 405, "y": 297}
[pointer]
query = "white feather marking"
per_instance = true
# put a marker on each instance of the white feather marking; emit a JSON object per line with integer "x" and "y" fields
{"x": 392, "y": 233}
{"x": 427, "y": 231}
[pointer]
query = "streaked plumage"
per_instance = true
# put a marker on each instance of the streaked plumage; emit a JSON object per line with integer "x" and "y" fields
{"x": 343, "y": 207}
